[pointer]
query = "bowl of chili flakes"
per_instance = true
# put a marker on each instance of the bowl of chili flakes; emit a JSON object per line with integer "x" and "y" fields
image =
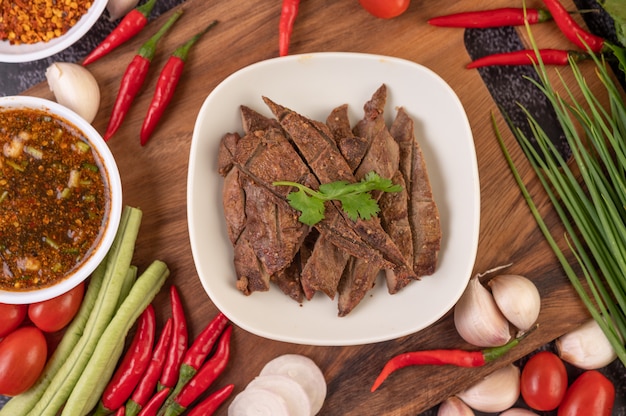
{"x": 35, "y": 29}
{"x": 60, "y": 199}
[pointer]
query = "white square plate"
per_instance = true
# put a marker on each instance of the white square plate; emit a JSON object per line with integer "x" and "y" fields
{"x": 313, "y": 85}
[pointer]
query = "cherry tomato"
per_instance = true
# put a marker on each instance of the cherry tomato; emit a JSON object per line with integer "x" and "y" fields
{"x": 12, "y": 317}
{"x": 543, "y": 381}
{"x": 385, "y": 9}
{"x": 590, "y": 394}
{"x": 22, "y": 358}
{"x": 54, "y": 314}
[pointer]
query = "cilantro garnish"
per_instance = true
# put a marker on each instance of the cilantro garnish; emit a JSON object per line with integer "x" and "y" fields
{"x": 355, "y": 198}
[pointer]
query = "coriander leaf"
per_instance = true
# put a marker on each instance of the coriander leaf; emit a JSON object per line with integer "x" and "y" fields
{"x": 312, "y": 208}
{"x": 355, "y": 198}
{"x": 359, "y": 205}
{"x": 332, "y": 190}
{"x": 378, "y": 183}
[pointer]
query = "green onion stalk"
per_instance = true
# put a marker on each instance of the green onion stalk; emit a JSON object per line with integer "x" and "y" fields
{"x": 589, "y": 196}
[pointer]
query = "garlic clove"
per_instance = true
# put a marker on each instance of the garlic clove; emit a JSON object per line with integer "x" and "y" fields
{"x": 518, "y": 411}
{"x": 496, "y": 392}
{"x": 120, "y": 8}
{"x": 453, "y": 406}
{"x": 75, "y": 88}
{"x": 478, "y": 319}
{"x": 517, "y": 298}
{"x": 586, "y": 347}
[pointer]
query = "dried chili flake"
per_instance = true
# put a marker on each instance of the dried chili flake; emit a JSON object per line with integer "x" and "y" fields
{"x": 33, "y": 21}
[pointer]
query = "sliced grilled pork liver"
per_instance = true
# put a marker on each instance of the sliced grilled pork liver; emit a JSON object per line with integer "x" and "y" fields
{"x": 234, "y": 202}
{"x": 251, "y": 276}
{"x": 226, "y": 152}
{"x": 252, "y": 120}
{"x": 263, "y": 157}
{"x": 338, "y": 256}
{"x": 289, "y": 280}
{"x": 324, "y": 268}
{"x": 351, "y": 146}
{"x": 276, "y": 233}
{"x": 382, "y": 157}
{"x": 423, "y": 211}
{"x": 382, "y": 154}
{"x": 327, "y": 163}
{"x": 268, "y": 156}
{"x": 357, "y": 279}
{"x": 394, "y": 217}
{"x": 272, "y": 231}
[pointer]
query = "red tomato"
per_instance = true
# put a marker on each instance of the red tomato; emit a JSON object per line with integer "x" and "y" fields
{"x": 12, "y": 317}
{"x": 543, "y": 381}
{"x": 54, "y": 314}
{"x": 22, "y": 358}
{"x": 590, "y": 394}
{"x": 385, "y": 9}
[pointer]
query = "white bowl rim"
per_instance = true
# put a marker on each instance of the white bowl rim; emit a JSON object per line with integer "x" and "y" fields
{"x": 35, "y": 51}
{"x": 115, "y": 212}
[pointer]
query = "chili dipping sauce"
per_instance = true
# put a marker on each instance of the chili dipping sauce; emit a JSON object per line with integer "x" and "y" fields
{"x": 53, "y": 198}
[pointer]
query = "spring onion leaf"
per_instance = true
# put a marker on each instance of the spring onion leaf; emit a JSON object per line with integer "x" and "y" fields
{"x": 588, "y": 193}
{"x": 356, "y": 199}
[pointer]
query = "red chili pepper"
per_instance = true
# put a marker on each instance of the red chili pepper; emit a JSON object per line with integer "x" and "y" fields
{"x": 199, "y": 351}
{"x": 132, "y": 367}
{"x": 203, "y": 344}
{"x": 506, "y": 16}
{"x": 121, "y": 411}
{"x": 209, "y": 405}
{"x": 179, "y": 342}
{"x": 166, "y": 85}
{"x": 460, "y": 358}
{"x": 146, "y": 387}
{"x": 128, "y": 27}
{"x": 571, "y": 29}
{"x": 288, "y": 14}
{"x": 153, "y": 406}
{"x": 528, "y": 57}
{"x": 204, "y": 378}
{"x": 134, "y": 77}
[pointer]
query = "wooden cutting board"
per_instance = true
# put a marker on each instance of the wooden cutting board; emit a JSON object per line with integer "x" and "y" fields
{"x": 154, "y": 179}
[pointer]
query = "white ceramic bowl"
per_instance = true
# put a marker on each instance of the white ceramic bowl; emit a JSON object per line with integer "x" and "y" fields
{"x": 113, "y": 210}
{"x": 40, "y": 50}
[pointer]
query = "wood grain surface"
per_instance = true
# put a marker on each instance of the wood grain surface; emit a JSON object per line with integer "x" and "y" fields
{"x": 154, "y": 179}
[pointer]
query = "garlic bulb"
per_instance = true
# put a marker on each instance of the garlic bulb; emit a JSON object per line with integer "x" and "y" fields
{"x": 75, "y": 88}
{"x": 478, "y": 319}
{"x": 517, "y": 298}
{"x": 119, "y": 8}
{"x": 586, "y": 347}
{"x": 496, "y": 392}
{"x": 453, "y": 406}
{"x": 518, "y": 411}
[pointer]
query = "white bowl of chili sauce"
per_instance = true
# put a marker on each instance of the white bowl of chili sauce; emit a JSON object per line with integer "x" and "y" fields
{"x": 60, "y": 199}
{"x": 52, "y": 27}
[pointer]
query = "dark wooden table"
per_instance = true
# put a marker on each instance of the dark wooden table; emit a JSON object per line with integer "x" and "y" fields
{"x": 154, "y": 177}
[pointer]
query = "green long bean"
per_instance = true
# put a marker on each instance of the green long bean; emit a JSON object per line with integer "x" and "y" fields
{"x": 118, "y": 263}
{"x": 98, "y": 371}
